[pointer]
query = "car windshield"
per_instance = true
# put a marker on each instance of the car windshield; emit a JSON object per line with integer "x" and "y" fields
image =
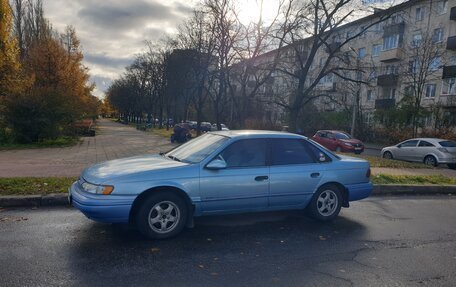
{"x": 198, "y": 149}
{"x": 342, "y": 136}
{"x": 448, "y": 143}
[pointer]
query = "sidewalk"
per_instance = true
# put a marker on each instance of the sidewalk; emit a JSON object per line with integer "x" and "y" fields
{"x": 113, "y": 141}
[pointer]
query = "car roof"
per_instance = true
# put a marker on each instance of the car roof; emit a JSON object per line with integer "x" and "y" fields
{"x": 257, "y": 134}
{"x": 427, "y": 139}
{"x": 332, "y": 131}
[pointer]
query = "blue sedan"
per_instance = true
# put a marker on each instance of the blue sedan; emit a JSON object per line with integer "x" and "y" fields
{"x": 219, "y": 173}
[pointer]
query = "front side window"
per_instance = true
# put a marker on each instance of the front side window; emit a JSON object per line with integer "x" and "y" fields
{"x": 290, "y": 151}
{"x": 430, "y": 91}
{"x": 245, "y": 153}
{"x": 411, "y": 143}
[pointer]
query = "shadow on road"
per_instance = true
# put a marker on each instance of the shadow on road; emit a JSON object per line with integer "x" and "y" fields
{"x": 249, "y": 247}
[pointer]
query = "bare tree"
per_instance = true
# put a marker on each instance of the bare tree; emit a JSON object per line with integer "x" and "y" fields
{"x": 314, "y": 26}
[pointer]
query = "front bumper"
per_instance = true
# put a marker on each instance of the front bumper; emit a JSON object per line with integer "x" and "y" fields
{"x": 102, "y": 208}
{"x": 359, "y": 191}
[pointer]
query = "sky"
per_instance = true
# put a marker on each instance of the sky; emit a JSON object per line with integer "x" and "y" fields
{"x": 112, "y": 32}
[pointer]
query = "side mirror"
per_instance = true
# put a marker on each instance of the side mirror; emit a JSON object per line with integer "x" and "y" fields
{"x": 216, "y": 164}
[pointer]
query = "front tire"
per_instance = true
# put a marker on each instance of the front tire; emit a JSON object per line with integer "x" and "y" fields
{"x": 162, "y": 215}
{"x": 452, "y": 165}
{"x": 326, "y": 203}
{"x": 430, "y": 160}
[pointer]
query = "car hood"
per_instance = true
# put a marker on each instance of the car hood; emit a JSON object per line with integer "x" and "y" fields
{"x": 125, "y": 167}
{"x": 352, "y": 141}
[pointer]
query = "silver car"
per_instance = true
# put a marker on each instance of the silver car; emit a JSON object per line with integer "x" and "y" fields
{"x": 430, "y": 151}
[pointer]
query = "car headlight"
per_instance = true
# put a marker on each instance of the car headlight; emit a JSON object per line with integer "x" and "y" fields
{"x": 97, "y": 189}
{"x": 348, "y": 144}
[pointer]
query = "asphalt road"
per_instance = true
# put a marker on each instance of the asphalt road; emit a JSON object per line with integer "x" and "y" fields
{"x": 396, "y": 241}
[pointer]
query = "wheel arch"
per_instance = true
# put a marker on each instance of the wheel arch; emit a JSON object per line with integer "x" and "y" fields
{"x": 343, "y": 190}
{"x": 166, "y": 188}
{"x": 433, "y": 155}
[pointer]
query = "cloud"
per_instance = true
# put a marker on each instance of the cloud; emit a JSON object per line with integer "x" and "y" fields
{"x": 112, "y": 32}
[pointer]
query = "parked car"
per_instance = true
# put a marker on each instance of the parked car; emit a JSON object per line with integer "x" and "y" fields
{"x": 431, "y": 151}
{"x": 205, "y": 126}
{"x": 192, "y": 124}
{"x": 218, "y": 173}
{"x": 338, "y": 141}
{"x": 224, "y": 128}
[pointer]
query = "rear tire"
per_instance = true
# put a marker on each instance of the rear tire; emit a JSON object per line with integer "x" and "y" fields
{"x": 162, "y": 215}
{"x": 326, "y": 203}
{"x": 387, "y": 155}
{"x": 430, "y": 160}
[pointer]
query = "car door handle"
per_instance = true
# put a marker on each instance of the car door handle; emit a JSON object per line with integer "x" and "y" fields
{"x": 315, "y": 174}
{"x": 261, "y": 178}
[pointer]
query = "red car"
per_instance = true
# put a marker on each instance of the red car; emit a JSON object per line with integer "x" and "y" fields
{"x": 338, "y": 141}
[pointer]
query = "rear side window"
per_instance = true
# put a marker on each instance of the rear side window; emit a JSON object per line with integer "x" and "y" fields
{"x": 290, "y": 151}
{"x": 448, "y": 143}
{"x": 245, "y": 153}
{"x": 425, "y": 144}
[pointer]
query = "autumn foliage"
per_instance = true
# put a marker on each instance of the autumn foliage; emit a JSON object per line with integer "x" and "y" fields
{"x": 52, "y": 89}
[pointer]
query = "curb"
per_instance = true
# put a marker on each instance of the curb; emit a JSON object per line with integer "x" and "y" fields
{"x": 54, "y": 199}
{"x": 58, "y": 199}
{"x": 390, "y": 189}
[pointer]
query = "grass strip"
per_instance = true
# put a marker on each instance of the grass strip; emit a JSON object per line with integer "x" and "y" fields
{"x": 413, "y": 179}
{"x": 376, "y": 161}
{"x": 35, "y": 185}
{"x": 55, "y": 143}
{"x": 47, "y": 185}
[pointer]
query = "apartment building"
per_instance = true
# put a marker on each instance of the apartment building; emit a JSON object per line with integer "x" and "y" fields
{"x": 413, "y": 48}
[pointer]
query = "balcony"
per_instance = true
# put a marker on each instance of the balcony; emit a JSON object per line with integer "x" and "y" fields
{"x": 453, "y": 13}
{"x": 394, "y": 29}
{"x": 449, "y": 72}
{"x": 391, "y": 55}
{"x": 387, "y": 80}
{"x": 451, "y": 43}
{"x": 385, "y": 104}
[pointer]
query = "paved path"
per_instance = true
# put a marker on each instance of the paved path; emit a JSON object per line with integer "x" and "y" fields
{"x": 113, "y": 141}
{"x": 382, "y": 241}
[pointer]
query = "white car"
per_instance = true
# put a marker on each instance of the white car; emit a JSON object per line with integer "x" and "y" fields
{"x": 214, "y": 127}
{"x": 430, "y": 151}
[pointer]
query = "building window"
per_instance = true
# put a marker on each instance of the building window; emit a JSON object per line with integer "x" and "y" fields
{"x": 434, "y": 64}
{"x": 437, "y": 36}
{"x": 449, "y": 86}
{"x": 389, "y": 93}
{"x": 442, "y": 7}
{"x": 370, "y": 95}
{"x": 391, "y": 70}
{"x": 430, "y": 91}
{"x": 414, "y": 66}
{"x": 361, "y": 53}
{"x": 419, "y": 14}
{"x": 390, "y": 42}
{"x": 417, "y": 40}
{"x": 376, "y": 50}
